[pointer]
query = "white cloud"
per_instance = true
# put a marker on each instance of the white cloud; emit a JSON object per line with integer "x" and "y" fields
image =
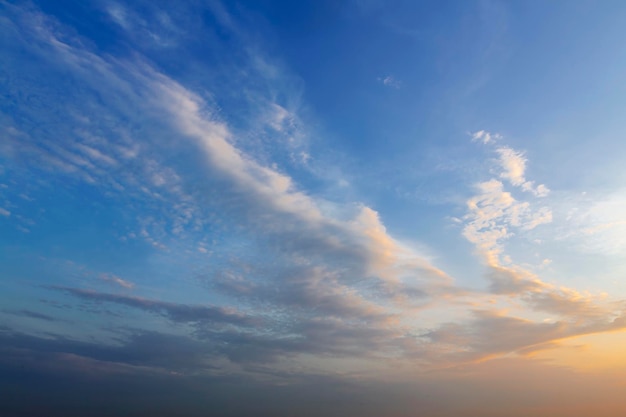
{"x": 494, "y": 213}
{"x": 118, "y": 15}
{"x": 485, "y": 137}
{"x": 493, "y": 216}
{"x": 274, "y": 196}
{"x": 390, "y": 81}
{"x": 279, "y": 117}
{"x": 96, "y": 154}
{"x": 597, "y": 224}
{"x": 541, "y": 190}
{"x": 114, "y": 279}
{"x": 513, "y": 164}
{"x": 153, "y": 27}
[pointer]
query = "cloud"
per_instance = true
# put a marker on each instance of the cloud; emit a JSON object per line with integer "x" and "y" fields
{"x": 569, "y": 303}
{"x": 134, "y": 352}
{"x": 98, "y": 138}
{"x": 313, "y": 278}
{"x": 117, "y": 281}
{"x": 512, "y": 281}
{"x": 344, "y": 332}
{"x": 390, "y": 81}
{"x": 153, "y": 28}
{"x": 95, "y": 154}
{"x": 182, "y": 313}
{"x": 65, "y": 377}
{"x": 293, "y": 221}
{"x": 485, "y": 137}
{"x": 334, "y": 266}
{"x": 306, "y": 288}
{"x": 596, "y": 223}
{"x": 279, "y": 117}
{"x": 492, "y": 216}
{"x": 31, "y": 314}
{"x": 513, "y": 164}
{"x": 490, "y": 333}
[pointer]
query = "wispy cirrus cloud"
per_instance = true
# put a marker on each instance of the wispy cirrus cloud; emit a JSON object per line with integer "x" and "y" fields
{"x": 114, "y": 279}
{"x": 154, "y": 28}
{"x": 31, "y": 315}
{"x": 596, "y": 223}
{"x": 176, "y": 312}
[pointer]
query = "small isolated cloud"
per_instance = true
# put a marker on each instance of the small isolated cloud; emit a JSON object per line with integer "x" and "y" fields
{"x": 390, "y": 81}
{"x": 4, "y": 212}
{"x": 113, "y": 279}
{"x": 485, "y": 137}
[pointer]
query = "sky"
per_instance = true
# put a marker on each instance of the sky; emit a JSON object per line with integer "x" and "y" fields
{"x": 314, "y": 208}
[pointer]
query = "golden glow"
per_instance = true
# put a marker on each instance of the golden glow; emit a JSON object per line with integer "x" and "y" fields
{"x": 590, "y": 353}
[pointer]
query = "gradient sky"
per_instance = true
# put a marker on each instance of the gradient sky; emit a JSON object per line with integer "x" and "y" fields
{"x": 313, "y": 208}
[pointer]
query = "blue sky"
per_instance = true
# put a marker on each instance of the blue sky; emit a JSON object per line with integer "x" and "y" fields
{"x": 313, "y": 208}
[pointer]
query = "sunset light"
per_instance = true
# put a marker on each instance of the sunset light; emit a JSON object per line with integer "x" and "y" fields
{"x": 313, "y": 208}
